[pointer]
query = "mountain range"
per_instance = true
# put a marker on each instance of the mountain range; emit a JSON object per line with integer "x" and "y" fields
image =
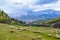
{"x": 39, "y": 15}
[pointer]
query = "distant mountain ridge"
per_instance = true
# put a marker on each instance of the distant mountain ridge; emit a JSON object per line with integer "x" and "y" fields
{"x": 40, "y": 15}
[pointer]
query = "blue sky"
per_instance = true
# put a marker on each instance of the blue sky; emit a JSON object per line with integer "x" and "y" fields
{"x": 21, "y": 7}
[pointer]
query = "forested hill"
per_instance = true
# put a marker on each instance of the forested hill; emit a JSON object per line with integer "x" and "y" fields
{"x": 4, "y": 18}
{"x": 50, "y": 23}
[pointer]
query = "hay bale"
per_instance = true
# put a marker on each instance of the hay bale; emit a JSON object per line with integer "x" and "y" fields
{"x": 11, "y": 31}
{"x": 18, "y": 29}
{"x": 39, "y": 37}
{"x": 38, "y": 31}
{"x": 41, "y": 32}
{"x": 49, "y": 35}
{"x": 34, "y": 31}
{"x": 57, "y": 36}
{"x": 27, "y": 29}
{"x": 24, "y": 28}
{"x": 11, "y": 27}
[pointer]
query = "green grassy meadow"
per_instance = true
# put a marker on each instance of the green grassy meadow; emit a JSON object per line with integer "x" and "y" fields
{"x": 29, "y": 33}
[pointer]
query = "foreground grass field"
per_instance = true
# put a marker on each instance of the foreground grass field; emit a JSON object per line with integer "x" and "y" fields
{"x": 27, "y": 32}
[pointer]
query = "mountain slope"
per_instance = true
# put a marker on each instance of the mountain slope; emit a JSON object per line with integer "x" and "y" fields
{"x": 43, "y": 15}
{"x": 4, "y": 18}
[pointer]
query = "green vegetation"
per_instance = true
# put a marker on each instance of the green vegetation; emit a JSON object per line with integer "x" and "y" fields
{"x": 27, "y": 32}
{"x": 53, "y": 21}
{"x": 14, "y": 29}
{"x": 48, "y": 23}
{"x": 16, "y": 22}
{"x": 4, "y": 18}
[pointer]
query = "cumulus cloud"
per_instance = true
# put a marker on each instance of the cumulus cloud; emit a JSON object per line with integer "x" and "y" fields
{"x": 16, "y": 7}
{"x": 21, "y": 7}
{"x": 54, "y": 6}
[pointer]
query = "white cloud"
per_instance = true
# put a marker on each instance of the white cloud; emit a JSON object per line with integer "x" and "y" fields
{"x": 22, "y": 6}
{"x": 54, "y": 6}
{"x": 23, "y": 2}
{"x": 11, "y": 6}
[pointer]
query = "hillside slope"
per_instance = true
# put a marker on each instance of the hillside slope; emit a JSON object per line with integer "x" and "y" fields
{"x": 27, "y": 33}
{"x": 4, "y": 18}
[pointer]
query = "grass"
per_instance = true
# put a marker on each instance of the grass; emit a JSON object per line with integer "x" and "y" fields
{"x": 27, "y": 34}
